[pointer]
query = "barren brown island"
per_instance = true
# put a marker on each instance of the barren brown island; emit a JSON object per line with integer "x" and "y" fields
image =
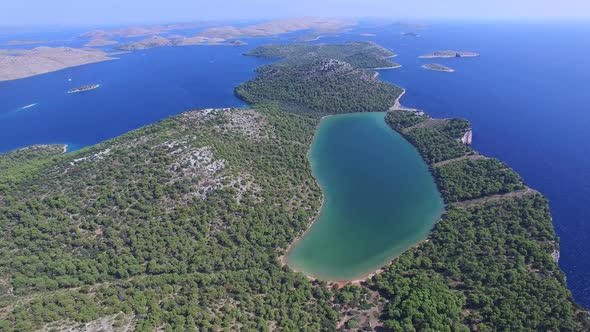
{"x": 180, "y": 225}
{"x": 15, "y": 64}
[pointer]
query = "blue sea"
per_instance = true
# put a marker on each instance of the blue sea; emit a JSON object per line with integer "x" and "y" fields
{"x": 527, "y": 96}
{"x": 138, "y": 89}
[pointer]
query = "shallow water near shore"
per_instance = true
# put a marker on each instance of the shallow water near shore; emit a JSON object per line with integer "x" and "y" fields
{"x": 379, "y": 199}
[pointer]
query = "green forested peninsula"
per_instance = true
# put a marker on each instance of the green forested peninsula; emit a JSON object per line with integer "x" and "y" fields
{"x": 319, "y": 80}
{"x": 359, "y": 54}
{"x": 179, "y": 226}
{"x": 488, "y": 263}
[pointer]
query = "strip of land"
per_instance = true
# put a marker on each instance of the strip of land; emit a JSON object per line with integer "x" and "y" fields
{"x": 226, "y": 34}
{"x": 138, "y": 31}
{"x": 15, "y": 64}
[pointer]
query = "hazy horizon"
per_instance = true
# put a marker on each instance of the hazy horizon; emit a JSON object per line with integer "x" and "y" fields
{"x": 66, "y": 13}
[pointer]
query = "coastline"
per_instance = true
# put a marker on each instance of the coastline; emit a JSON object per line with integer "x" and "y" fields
{"x": 43, "y": 60}
{"x": 383, "y": 68}
{"x": 312, "y": 39}
{"x": 398, "y": 106}
{"x": 381, "y": 269}
{"x": 376, "y": 74}
{"x": 397, "y": 65}
{"x": 283, "y": 257}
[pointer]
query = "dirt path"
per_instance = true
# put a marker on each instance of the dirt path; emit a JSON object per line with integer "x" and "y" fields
{"x": 465, "y": 157}
{"x": 495, "y": 198}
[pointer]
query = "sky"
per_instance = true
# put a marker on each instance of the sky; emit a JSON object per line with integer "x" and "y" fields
{"x": 112, "y": 12}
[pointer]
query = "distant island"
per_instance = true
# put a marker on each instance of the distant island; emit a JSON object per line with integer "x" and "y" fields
{"x": 438, "y": 67}
{"x": 410, "y": 34}
{"x": 84, "y": 88}
{"x": 237, "y": 42}
{"x": 151, "y": 42}
{"x": 100, "y": 41}
{"x": 449, "y": 54}
{"x": 366, "y": 55}
{"x": 15, "y": 64}
{"x": 138, "y": 31}
{"x": 228, "y": 35}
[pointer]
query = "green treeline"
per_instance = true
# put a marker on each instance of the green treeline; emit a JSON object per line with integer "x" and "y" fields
{"x": 322, "y": 79}
{"x": 18, "y": 164}
{"x": 121, "y": 227}
{"x": 359, "y": 54}
{"x": 435, "y": 145}
{"x": 320, "y": 87}
{"x": 436, "y": 140}
{"x": 486, "y": 266}
{"x": 401, "y": 119}
{"x": 470, "y": 179}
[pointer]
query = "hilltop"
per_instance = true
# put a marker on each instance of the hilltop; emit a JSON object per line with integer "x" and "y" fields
{"x": 322, "y": 79}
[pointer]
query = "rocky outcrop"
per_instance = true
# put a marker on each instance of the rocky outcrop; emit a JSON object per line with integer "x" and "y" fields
{"x": 467, "y": 137}
{"x": 555, "y": 255}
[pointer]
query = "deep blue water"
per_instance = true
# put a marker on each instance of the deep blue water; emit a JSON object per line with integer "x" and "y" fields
{"x": 138, "y": 89}
{"x": 527, "y": 97}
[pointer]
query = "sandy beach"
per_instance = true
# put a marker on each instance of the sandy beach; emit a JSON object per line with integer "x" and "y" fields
{"x": 283, "y": 258}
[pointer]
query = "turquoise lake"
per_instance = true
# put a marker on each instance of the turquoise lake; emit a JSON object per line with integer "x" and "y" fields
{"x": 379, "y": 199}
